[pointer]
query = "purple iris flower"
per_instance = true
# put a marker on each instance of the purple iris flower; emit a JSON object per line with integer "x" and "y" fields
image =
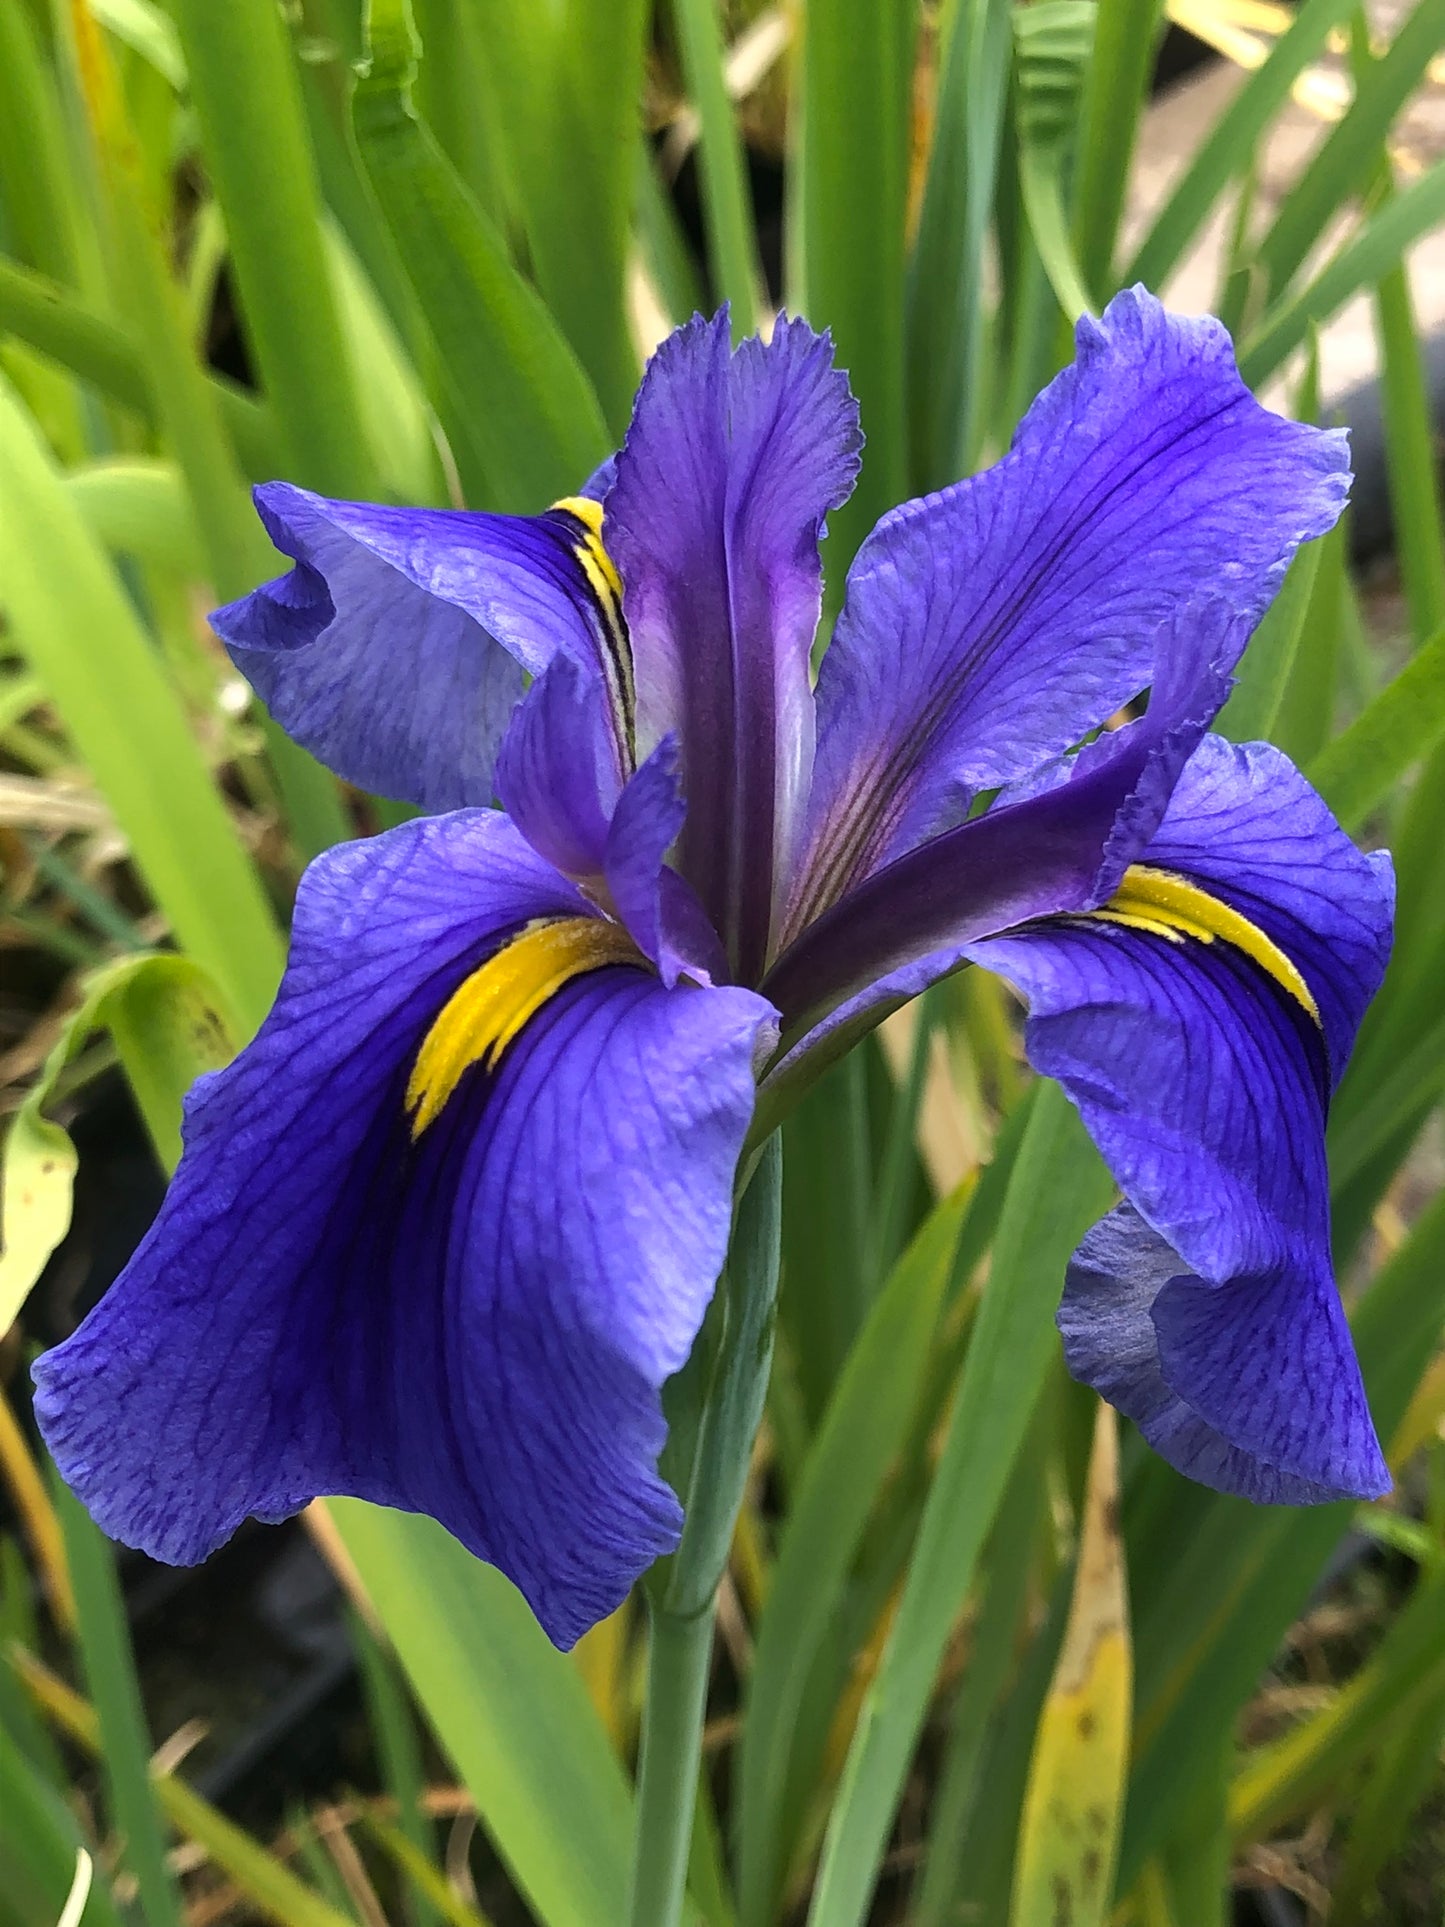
{"x": 444, "y": 1228}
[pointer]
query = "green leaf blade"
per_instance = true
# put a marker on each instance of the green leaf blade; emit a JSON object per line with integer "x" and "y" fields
{"x": 1058, "y": 1188}
{"x": 511, "y": 1711}
{"x": 523, "y": 417}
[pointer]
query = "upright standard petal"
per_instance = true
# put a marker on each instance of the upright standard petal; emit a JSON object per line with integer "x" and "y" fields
{"x": 389, "y": 1270}
{"x": 1198, "y": 1018}
{"x": 714, "y": 516}
{"x": 395, "y": 649}
{"x": 989, "y": 627}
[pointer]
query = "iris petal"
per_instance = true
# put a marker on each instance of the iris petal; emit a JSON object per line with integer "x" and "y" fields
{"x": 1246, "y": 825}
{"x": 1203, "y": 1074}
{"x": 474, "y": 1323}
{"x": 1252, "y": 1390}
{"x": 558, "y": 775}
{"x": 1062, "y": 844}
{"x": 557, "y": 778}
{"x": 659, "y": 907}
{"x": 395, "y": 649}
{"x": 990, "y": 626}
{"x": 714, "y": 514}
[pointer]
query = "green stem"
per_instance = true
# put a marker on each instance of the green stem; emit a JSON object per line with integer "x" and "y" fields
{"x": 677, "y": 1674}
{"x": 900, "y": 1158}
{"x": 684, "y": 1588}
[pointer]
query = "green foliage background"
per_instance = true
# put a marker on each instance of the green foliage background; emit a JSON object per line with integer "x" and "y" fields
{"x": 445, "y": 238}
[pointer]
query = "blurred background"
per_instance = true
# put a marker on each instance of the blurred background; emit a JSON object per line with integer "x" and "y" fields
{"x": 418, "y": 251}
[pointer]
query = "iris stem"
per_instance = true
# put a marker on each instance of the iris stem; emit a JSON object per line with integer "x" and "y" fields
{"x": 678, "y": 1666}
{"x": 683, "y": 1589}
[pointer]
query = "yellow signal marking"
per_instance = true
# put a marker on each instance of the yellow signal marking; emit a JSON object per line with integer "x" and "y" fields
{"x": 485, "y": 1013}
{"x": 1170, "y": 906}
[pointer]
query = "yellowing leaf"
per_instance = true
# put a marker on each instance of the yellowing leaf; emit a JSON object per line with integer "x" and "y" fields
{"x": 1069, "y": 1834}
{"x": 38, "y": 1175}
{"x": 168, "y": 1024}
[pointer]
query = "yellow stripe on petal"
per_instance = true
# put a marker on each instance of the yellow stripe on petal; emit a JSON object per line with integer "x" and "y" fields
{"x": 1170, "y": 906}
{"x": 487, "y": 1011}
{"x": 599, "y": 572}
{"x": 589, "y": 513}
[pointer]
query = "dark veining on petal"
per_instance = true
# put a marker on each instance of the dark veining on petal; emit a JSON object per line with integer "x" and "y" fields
{"x": 882, "y": 792}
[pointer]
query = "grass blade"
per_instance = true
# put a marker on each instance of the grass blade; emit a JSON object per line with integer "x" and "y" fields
{"x": 946, "y": 311}
{"x": 1405, "y": 407}
{"x": 125, "y": 1745}
{"x": 1359, "y": 769}
{"x": 394, "y": 1732}
{"x": 1393, "y": 1101}
{"x": 75, "y": 625}
{"x": 19, "y": 1626}
{"x": 163, "y": 1015}
{"x": 1253, "y": 708}
{"x": 237, "y": 551}
{"x": 36, "y": 1514}
{"x": 848, "y": 195}
{"x": 100, "y": 352}
{"x": 565, "y": 83}
{"x": 1410, "y": 455}
{"x": 455, "y": 96}
{"x": 1218, "y": 1582}
{"x": 664, "y": 246}
{"x": 39, "y": 1844}
{"x": 569, "y": 80}
{"x": 245, "y": 94}
{"x": 1306, "y": 715}
{"x": 430, "y": 1887}
{"x": 76, "y": 1900}
{"x": 37, "y": 186}
{"x": 986, "y": 1854}
{"x": 1280, "y": 1782}
{"x": 732, "y": 244}
{"x": 1232, "y": 139}
{"x": 587, "y": 175}
{"x": 271, "y": 1888}
{"x": 894, "y": 1212}
{"x": 1346, "y": 163}
{"x": 1385, "y": 1806}
{"x": 511, "y": 1712}
{"x": 523, "y": 419}
{"x": 140, "y": 506}
{"x": 1012, "y": 1546}
{"x": 1198, "y": 1860}
{"x": 865, "y": 1425}
{"x": 1058, "y": 1188}
{"x": 1361, "y": 263}
{"x": 1125, "y": 35}
{"x": 1052, "y": 47}
{"x": 827, "y": 1208}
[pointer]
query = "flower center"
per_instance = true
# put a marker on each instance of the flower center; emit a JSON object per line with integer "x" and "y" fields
{"x": 487, "y": 1010}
